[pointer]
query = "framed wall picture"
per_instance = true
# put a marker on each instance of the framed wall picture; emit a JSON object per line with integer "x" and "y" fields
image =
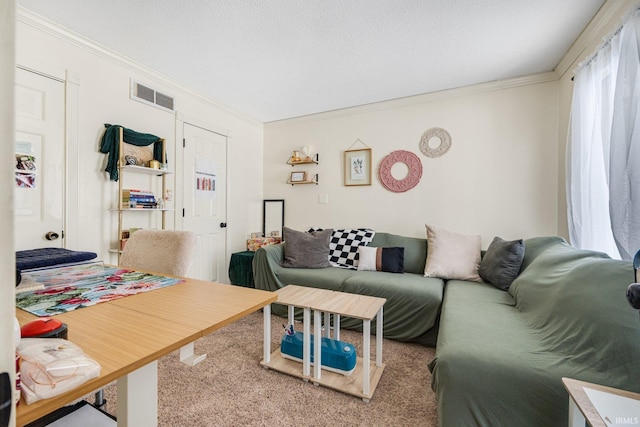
{"x": 357, "y": 167}
{"x": 299, "y": 176}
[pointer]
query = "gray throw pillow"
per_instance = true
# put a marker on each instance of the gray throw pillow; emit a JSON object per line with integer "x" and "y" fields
{"x": 501, "y": 263}
{"x": 306, "y": 250}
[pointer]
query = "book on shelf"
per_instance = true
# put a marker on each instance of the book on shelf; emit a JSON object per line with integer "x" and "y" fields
{"x": 138, "y": 196}
{"x": 143, "y": 205}
{"x": 139, "y": 199}
{"x": 136, "y": 191}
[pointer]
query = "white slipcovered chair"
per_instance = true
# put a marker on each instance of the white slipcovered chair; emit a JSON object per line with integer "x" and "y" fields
{"x": 164, "y": 252}
{"x": 159, "y": 251}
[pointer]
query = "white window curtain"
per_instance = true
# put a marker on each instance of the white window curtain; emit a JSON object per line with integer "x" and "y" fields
{"x": 603, "y": 161}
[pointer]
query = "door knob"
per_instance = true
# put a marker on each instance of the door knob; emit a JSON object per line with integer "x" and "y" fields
{"x": 223, "y": 225}
{"x": 52, "y": 235}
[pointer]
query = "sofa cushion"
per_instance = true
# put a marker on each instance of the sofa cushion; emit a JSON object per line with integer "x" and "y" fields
{"x": 413, "y": 301}
{"x": 326, "y": 278}
{"x": 415, "y": 249}
{"x": 501, "y": 263}
{"x": 306, "y": 250}
{"x": 381, "y": 259}
{"x": 452, "y": 255}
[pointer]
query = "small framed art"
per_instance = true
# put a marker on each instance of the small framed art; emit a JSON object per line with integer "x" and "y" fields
{"x": 357, "y": 167}
{"x": 300, "y": 176}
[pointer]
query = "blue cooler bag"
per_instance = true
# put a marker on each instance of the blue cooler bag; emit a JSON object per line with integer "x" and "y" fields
{"x": 336, "y": 356}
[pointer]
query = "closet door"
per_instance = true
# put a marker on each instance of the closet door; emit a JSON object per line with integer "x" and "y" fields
{"x": 40, "y": 166}
{"x": 205, "y": 200}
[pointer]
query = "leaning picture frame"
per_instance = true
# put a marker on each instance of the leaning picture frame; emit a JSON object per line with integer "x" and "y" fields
{"x": 357, "y": 167}
{"x": 298, "y": 176}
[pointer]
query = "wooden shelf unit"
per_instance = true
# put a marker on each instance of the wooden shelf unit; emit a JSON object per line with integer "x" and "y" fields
{"x": 124, "y": 169}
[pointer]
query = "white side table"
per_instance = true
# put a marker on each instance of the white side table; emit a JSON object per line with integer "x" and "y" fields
{"x": 336, "y": 304}
{"x": 618, "y": 407}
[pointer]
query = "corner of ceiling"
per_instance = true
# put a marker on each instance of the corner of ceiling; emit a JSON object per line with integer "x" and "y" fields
{"x": 611, "y": 13}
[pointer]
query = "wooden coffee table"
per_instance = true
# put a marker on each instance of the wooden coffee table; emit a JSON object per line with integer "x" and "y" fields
{"x": 364, "y": 380}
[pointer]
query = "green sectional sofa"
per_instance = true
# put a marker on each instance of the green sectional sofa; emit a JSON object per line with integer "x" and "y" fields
{"x": 500, "y": 356}
{"x": 413, "y": 301}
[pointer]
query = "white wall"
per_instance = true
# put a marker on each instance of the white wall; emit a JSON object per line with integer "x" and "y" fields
{"x": 498, "y": 178}
{"x": 104, "y": 79}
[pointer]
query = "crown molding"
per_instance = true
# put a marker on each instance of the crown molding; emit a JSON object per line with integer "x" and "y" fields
{"x": 528, "y": 80}
{"x": 27, "y": 17}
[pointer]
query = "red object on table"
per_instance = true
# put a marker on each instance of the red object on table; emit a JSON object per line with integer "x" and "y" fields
{"x": 44, "y": 327}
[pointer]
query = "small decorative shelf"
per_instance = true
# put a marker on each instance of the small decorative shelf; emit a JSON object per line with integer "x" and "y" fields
{"x": 313, "y": 180}
{"x": 144, "y": 170}
{"x": 311, "y": 161}
{"x": 142, "y": 209}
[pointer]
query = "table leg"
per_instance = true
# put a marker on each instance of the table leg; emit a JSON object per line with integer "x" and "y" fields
{"x": 267, "y": 333}
{"x": 576, "y": 419}
{"x": 188, "y": 356}
{"x": 379, "y": 335}
{"x": 317, "y": 346}
{"x": 327, "y": 324}
{"x": 306, "y": 343}
{"x": 291, "y": 314}
{"x": 137, "y": 395}
{"x": 336, "y": 327}
{"x": 366, "y": 355}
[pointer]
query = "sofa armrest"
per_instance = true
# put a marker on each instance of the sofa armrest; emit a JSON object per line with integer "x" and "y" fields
{"x": 266, "y": 264}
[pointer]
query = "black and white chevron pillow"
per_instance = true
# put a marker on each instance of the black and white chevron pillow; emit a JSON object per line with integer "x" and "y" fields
{"x": 343, "y": 247}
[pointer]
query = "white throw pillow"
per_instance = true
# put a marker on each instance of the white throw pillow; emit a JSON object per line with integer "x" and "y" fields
{"x": 451, "y": 255}
{"x": 367, "y": 258}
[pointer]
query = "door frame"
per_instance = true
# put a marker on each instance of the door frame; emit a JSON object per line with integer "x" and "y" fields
{"x": 178, "y": 155}
{"x": 71, "y": 167}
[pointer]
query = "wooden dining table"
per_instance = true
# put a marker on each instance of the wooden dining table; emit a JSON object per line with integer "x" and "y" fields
{"x": 127, "y": 336}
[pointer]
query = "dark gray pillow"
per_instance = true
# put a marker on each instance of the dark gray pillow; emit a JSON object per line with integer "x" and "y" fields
{"x": 501, "y": 263}
{"x": 306, "y": 250}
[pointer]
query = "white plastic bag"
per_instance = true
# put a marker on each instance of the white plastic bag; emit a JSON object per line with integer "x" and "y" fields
{"x": 51, "y": 366}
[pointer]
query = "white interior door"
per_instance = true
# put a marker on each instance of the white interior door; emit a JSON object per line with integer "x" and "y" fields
{"x": 39, "y": 168}
{"x": 205, "y": 200}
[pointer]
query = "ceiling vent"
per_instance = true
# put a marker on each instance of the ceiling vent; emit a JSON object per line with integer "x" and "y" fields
{"x": 147, "y": 95}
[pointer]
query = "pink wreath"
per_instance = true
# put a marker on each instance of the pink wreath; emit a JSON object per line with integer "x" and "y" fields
{"x": 407, "y": 183}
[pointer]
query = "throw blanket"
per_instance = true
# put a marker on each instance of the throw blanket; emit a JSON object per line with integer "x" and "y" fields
{"x": 72, "y": 288}
{"x": 110, "y": 144}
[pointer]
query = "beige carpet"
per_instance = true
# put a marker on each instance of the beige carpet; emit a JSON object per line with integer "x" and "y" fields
{"x": 231, "y": 388}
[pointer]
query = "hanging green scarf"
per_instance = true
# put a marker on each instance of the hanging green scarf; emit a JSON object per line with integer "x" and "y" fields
{"x": 110, "y": 144}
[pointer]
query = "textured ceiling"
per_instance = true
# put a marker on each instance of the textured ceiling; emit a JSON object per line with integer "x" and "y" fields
{"x": 277, "y": 59}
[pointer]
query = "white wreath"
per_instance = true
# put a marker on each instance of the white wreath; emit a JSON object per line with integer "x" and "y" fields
{"x": 443, "y": 147}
